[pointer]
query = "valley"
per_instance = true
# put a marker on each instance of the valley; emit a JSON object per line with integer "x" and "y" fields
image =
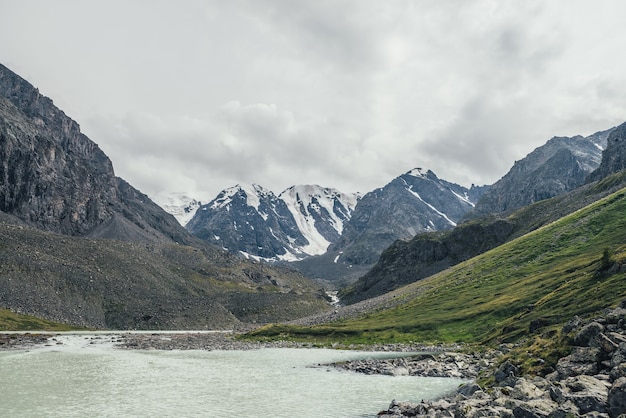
{"x": 419, "y": 261}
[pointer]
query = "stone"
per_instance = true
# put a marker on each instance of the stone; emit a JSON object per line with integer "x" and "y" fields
{"x": 587, "y": 393}
{"x": 588, "y": 333}
{"x": 582, "y": 360}
{"x": 617, "y": 397}
{"x": 506, "y": 369}
{"x": 469, "y": 389}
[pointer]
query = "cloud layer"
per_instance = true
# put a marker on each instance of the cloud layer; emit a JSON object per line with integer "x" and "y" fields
{"x": 197, "y": 96}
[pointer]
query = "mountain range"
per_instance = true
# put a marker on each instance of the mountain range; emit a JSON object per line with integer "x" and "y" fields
{"x": 253, "y": 221}
{"x": 83, "y": 247}
{"x": 338, "y": 237}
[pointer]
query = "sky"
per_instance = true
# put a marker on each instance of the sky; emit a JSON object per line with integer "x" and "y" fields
{"x": 199, "y": 95}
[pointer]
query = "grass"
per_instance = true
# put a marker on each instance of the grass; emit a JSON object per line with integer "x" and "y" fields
{"x": 545, "y": 277}
{"x": 11, "y": 321}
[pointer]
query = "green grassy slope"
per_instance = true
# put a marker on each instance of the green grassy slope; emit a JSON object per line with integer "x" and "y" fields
{"x": 11, "y": 321}
{"x": 574, "y": 266}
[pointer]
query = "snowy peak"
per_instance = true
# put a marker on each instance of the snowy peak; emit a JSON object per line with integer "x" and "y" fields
{"x": 182, "y": 206}
{"x": 250, "y": 194}
{"x": 420, "y": 172}
{"x": 417, "y": 201}
{"x": 313, "y": 200}
{"x": 249, "y": 219}
{"x": 320, "y": 213}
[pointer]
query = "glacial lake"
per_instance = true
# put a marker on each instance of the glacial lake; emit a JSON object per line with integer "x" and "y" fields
{"x": 80, "y": 377}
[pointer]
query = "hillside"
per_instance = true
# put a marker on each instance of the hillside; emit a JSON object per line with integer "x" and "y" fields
{"x": 405, "y": 262}
{"x": 102, "y": 283}
{"x": 574, "y": 266}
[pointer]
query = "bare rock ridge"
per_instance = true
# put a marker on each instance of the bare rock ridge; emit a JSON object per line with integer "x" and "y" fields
{"x": 55, "y": 178}
{"x": 614, "y": 156}
{"x": 558, "y": 166}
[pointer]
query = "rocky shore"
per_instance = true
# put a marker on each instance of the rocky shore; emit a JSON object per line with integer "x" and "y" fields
{"x": 21, "y": 341}
{"x": 588, "y": 382}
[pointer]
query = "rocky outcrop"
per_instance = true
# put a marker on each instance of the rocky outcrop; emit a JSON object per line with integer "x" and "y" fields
{"x": 614, "y": 156}
{"x": 55, "y": 178}
{"x": 560, "y": 165}
{"x": 590, "y": 381}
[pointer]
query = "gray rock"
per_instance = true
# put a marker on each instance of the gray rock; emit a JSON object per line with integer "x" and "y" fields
{"x": 617, "y": 398}
{"x": 506, "y": 370}
{"x": 469, "y": 389}
{"x": 582, "y": 360}
{"x": 585, "y": 337}
{"x": 587, "y": 393}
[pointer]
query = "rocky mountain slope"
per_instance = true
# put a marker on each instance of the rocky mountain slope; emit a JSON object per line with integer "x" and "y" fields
{"x": 426, "y": 254}
{"x": 560, "y": 165}
{"x": 80, "y": 245}
{"x": 55, "y": 178}
{"x": 103, "y": 283}
{"x": 253, "y": 221}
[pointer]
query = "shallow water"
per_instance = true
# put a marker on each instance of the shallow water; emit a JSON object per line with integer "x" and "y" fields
{"x": 82, "y": 376}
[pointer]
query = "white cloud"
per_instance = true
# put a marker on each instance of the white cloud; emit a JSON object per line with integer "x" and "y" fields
{"x": 200, "y": 95}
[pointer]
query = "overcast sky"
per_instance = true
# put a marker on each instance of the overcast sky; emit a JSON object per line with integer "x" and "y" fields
{"x": 197, "y": 96}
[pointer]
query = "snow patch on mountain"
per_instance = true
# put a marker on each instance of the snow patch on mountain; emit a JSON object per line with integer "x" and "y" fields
{"x": 434, "y": 209}
{"x": 179, "y": 204}
{"x": 310, "y": 204}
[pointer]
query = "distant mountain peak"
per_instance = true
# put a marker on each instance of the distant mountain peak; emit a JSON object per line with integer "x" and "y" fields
{"x": 250, "y": 219}
{"x": 419, "y": 172}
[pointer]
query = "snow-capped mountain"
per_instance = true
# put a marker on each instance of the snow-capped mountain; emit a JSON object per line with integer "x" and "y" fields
{"x": 181, "y": 205}
{"x": 320, "y": 214}
{"x": 417, "y": 201}
{"x": 253, "y": 221}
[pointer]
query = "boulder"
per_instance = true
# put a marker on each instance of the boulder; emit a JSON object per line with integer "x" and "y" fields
{"x": 588, "y": 333}
{"x": 582, "y": 360}
{"x": 617, "y": 398}
{"x": 506, "y": 369}
{"x": 586, "y": 392}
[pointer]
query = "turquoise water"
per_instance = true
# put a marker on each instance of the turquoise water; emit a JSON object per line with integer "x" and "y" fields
{"x": 81, "y": 377}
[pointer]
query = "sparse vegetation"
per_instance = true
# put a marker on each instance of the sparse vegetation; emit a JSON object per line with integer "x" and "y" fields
{"x": 11, "y": 321}
{"x": 543, "y": 278}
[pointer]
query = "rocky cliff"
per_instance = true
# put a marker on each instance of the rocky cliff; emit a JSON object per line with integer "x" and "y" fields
{"x": 560, "y": 165}
{"x": 55, "y": 178}
{"x": 614, "y": 156}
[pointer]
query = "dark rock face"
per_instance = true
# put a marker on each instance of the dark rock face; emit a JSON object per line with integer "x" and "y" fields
{"x": 415, "y": 202}
{"x": 614, "y": 156}
{"x": 561, "y": 165}
{"x": 55, "y": 178}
